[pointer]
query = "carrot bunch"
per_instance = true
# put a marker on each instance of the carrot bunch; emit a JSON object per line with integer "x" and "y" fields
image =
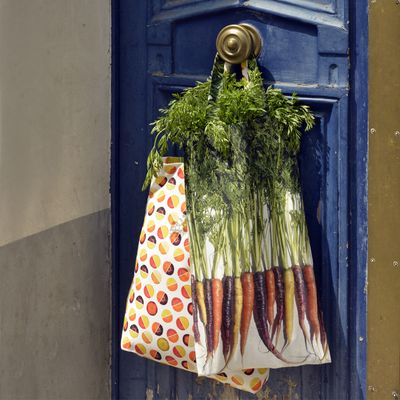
{"x": 249, "y": 243}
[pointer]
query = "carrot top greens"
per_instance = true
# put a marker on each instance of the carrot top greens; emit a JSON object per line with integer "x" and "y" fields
{"x": 241, "y": 143}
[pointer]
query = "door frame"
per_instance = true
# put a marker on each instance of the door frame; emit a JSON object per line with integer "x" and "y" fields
{"x": 358, "y": 191}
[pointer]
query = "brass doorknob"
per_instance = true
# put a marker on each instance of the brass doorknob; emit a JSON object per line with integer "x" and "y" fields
{"x": 236, "y": 43}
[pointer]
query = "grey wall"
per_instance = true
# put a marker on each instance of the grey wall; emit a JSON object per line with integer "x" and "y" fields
{"x": 54, "y": 199}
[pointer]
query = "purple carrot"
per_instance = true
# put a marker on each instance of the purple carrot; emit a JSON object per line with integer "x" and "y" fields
{"x": 324, "y": 340}
{"x": 280, "y": 302}
{"x": 227, "y": 316}
{"x": 209, "y": 312}
{"x": 300, "y": 296}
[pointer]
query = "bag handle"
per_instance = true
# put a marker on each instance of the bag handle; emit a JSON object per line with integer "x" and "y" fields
{"x": 219, "y": 69}
{"x": 244, "y": 66}
{"x": 217, "y": 73}
{"x": 249, "y": 65}
{"x": 216, "y": 78}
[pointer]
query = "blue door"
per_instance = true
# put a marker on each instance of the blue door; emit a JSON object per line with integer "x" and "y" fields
{"x": 316, "y": 48}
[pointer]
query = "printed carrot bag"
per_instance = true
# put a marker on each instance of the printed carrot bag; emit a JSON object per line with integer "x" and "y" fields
{"x": 159, "y": 317}
{"x": 254, "y": 298}
{"x": 255, "y": 303}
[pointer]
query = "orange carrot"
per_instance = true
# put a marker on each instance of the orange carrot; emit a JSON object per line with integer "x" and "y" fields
{"x": 312, "y": 302}
{"x": 247, "y": 311}
{"x": 217, "y": 298}
{"x": 270, "y": 284}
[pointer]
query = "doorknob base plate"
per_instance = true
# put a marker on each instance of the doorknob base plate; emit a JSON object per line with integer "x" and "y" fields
{"x": 255, "y": 38}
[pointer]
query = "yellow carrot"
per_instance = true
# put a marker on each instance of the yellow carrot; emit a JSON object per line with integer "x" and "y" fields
{"x": 288, "y": 282}
{"x": 237, "y": 312}
{"x": 201, "y": 302}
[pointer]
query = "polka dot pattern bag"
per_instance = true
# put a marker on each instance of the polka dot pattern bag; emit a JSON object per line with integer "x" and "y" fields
{"x": 159, "y": 313}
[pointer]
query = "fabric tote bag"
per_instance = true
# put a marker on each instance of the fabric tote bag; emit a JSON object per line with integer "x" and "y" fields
{"x": 224, "y": 282}
{"x": 159, "y": 317}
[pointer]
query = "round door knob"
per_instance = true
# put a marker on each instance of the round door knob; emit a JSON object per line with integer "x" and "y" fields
{"x": 236, "y": 43}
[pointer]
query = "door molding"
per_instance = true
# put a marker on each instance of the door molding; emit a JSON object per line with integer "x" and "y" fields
{"x": 358, "y": 191}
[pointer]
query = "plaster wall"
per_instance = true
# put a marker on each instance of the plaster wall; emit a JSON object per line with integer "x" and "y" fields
{"x": 54, "y": 199}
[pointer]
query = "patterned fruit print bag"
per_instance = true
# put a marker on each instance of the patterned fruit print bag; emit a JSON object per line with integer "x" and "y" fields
{"x": 159, "y": 310}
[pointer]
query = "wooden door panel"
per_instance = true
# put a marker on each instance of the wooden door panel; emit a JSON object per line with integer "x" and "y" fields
{"x": 305, "y": 50}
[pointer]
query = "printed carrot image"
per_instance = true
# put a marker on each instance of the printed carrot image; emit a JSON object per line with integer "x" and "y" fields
{"x": 260, "y": 315}
{"x": 312, "y": 302}
{"x": 228, "y": 306}
{"x": 300, "y": 297}
{"x": 239, "y": 261}
{"x": 288, "y": 282}
{"x": 280, "y": 302}
{"x": 271, "y": 296}
{"x": 324, "y": 339}
{"x": 227, "y": 319}
{"x": 201, "y": 301}
{"x": 248, "y": 305}
{"x": 210, "y": 316}
{"x": 198, "y": 283}
{"x": 218, "y": 239}
{"x": 237, "y": 320}
{"x": 217, "y": 300}
{"x": 196, "y": 332}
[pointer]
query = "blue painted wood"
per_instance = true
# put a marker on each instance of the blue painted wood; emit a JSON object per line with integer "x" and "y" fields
{"x": 358, "y": 144}
{"x": 162, "y": 46}
{"x": 114, "y": 188}
{"x": 129, "y": 139}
